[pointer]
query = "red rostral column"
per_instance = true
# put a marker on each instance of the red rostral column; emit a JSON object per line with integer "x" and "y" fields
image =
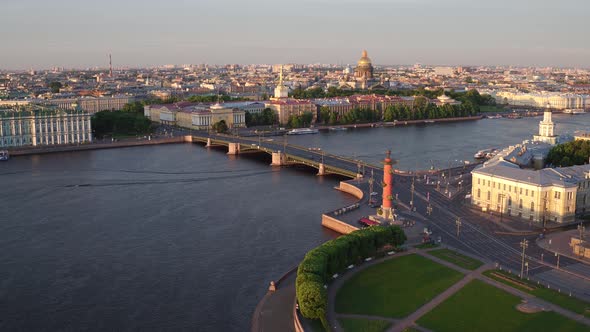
{"x": 387, "y": 187}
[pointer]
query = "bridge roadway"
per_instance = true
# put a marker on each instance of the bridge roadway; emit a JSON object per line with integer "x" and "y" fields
{"x": 477, "y": 235}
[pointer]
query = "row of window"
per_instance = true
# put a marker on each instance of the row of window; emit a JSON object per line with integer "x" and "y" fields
{"x": 517, "y": 190}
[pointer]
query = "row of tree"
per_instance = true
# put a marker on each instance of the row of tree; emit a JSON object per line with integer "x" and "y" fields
{"x": 334, "y": 257}
{"x": 300, "y": 121}
{"x": 569, "y": 154}
{"x": 266, "y": 118}
{"x": 402, "y": 112}
{"x": 472, "y": 96}
{"x": 107, "y": 123}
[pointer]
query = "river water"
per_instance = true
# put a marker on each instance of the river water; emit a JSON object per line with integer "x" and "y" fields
{"x": 437, "y": 144}
{"x": 179, "y": 237}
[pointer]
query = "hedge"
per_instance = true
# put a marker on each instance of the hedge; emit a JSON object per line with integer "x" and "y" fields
{"x": 321, "y": 263}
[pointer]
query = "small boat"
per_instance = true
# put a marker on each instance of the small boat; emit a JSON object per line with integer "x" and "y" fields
{"x": 302, "y": 131}
{"x": 4, "y": 155}
{"x": 574, "y": 111}
{"x": 486, "y": 153}
{"x": 338, "y": 128}
{"x": 514, "y": 116}
{"x": 497, "y": 116}
{"x": 429, "y": 121}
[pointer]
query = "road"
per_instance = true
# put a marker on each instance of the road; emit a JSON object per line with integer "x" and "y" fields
{"x": 476, "y": 234}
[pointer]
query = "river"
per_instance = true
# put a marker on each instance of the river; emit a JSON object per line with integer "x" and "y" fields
{"x": 180, "y": 237}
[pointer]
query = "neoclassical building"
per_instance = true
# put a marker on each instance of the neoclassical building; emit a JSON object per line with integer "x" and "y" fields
{"x": 507, "y": 184}
{"x": 43, "y": 126}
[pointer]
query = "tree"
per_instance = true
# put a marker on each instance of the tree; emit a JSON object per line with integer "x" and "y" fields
{"x": 134, "y": 107}
{"x": 220, "y": 127}
{"x": 55, "y": 86}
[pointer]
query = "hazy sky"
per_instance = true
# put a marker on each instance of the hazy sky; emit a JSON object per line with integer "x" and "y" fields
{"x": 80, "y": 33}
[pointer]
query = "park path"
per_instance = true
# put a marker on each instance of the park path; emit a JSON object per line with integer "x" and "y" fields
{"x": 410, "y": 321}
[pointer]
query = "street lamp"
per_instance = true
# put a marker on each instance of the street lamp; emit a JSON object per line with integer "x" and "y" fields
{"x": 523, "y": 244}
{"x": 458, "y": 223}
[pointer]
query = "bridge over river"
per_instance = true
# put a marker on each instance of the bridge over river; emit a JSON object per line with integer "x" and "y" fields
{"x": 421, "y": 195}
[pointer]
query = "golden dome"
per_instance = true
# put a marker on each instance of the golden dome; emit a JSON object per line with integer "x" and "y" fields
{"x": 364, "y": 60}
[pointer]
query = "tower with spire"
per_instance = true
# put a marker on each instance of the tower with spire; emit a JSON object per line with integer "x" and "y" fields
{"x": 281, "y": 91}
{"x": 546, "y": 128}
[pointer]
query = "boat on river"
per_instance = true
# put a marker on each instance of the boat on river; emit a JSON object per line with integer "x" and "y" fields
{"x": 338, "y": 128}
{"x": 486, "y": 153}
{"x": 302, "y": 131}
{"x": 574, "y": 111}
{"x": 4, "y": 155}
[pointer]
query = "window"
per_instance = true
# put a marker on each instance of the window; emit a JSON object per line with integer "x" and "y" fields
{"x": 521, "y": 191}
{"x": 489, "y": 195}
{"x": 526, "y": 192}
{"x": 509, "y": 201}
{"x": 494, "y": 185}
{"x": 504, "y": 186}
{"x": 478, "y": 192}
{"x": 478, "y": 181}
{"x": 557, "y": 195}
{"x": 499, "y": 198}
{"x": 509, "y": 188}
{"x": 532, "y": 206}
{"x": 570, "y": 195}
{"x": 520, "y": 204}
{"x": 532, "y": 193}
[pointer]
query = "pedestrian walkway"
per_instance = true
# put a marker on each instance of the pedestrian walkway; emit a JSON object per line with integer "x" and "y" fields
{"x": 275, "y": 310}
{"x": 410, "y": 321}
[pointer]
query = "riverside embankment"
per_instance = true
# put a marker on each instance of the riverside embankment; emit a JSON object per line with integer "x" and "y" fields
{"x": 32, "y": 150}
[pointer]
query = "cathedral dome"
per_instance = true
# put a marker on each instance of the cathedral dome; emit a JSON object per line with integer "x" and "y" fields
{"x": 364, "y": 61}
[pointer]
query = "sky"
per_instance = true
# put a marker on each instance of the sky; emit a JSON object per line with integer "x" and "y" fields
{"x": 81, "y": 33}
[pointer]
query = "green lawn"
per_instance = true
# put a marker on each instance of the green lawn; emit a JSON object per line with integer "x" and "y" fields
{"x": 456, "y": 258}
{"x": 561, "y": 299}
{"x": 395, "y": 288}
{"x": 363, "y": 325}
{"x": 482, "y": 307}
{"x": 491, "y": 109}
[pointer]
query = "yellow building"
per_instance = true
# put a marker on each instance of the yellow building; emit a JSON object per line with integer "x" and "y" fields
{"x": 195, "y": 116}
{"x": 550, "y": 194}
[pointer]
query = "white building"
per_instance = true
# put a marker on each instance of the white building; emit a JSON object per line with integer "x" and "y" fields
{"x": 546, "y": 129}
{"x": 43, "y": 127}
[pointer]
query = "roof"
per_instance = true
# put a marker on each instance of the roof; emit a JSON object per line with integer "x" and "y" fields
{"x": 564, "y": 177}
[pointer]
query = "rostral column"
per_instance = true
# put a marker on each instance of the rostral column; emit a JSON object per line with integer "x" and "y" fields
{"x": 386, "y": 206}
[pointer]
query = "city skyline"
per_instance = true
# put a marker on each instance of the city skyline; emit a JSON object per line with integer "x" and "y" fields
{"x": 400, "y": 32}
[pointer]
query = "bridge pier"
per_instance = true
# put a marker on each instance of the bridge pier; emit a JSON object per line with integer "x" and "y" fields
{"x": 233, "y": 148}
{"x": 321, "y": 169}
{"x": 208, "y": 142}
{"x": 278, "y": 159}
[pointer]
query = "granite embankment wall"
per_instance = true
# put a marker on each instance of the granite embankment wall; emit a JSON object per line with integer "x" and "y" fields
{"x": 96, "y": 146}
{"x": 336, "y": 225}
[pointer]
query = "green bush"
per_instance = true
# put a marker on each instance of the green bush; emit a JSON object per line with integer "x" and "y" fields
{"x": 321, "y": 263}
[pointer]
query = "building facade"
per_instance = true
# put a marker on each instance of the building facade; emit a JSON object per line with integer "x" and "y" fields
{"x": 196, "y": 116}
{"x": 43, "y": 127}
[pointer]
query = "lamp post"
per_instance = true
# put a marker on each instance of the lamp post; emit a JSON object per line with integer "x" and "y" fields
{"x": 523, "y": 244}
{"x": 581, "y": 229}
{"x": 412, "y": 195}
{"x": 458, "y": 223}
